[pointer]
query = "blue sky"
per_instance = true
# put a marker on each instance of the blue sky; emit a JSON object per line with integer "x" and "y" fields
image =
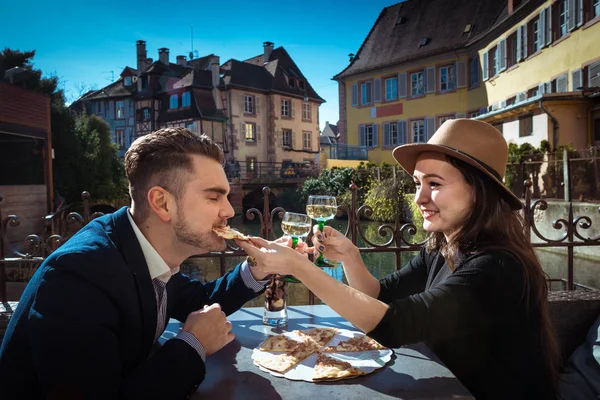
{"x": 82, "y": 42}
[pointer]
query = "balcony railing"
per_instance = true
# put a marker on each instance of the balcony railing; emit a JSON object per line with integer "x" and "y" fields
{"x": 343, "y": 151}
{"x": 269, "y": 172}
{"x": 400, "y": 238}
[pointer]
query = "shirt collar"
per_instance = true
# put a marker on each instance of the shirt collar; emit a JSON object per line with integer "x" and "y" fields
{"x": 157, "y": 267}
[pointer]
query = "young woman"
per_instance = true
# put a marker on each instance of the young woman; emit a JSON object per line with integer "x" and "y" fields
{"x": 475, "y": 294}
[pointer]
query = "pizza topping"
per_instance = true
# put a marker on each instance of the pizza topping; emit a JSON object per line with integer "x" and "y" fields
{"x": 321, "y": 336}
{"x": 283, "y": 362}
{"x": 227, "y": 233}
{"x": 279, "y": 343}
{"x": 359, "y": 343}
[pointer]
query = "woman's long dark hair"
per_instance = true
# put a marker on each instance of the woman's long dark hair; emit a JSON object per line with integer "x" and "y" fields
{"x": 493, "y": 225}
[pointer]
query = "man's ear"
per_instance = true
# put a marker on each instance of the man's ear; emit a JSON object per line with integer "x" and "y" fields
{"x": 161, "y": 202}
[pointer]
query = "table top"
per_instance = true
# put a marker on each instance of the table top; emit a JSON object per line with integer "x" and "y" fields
{"x": 413, "y": 373}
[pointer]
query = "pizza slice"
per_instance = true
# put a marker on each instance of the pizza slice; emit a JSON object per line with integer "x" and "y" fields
{"x": 328, "y": 368}
{"x": 227, "y": 233}
{"x": 283, "y": 362}
{"x": 321, "y": 336}
{"x": 359, "y": 343}
{"x": 279, "y": 343}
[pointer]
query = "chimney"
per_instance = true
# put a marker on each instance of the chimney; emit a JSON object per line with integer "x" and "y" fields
{"x": 163, "y": 55}
{"x": 216, "y": 71}
{"x": 351, "y": 57}
{"x": 181, "y": 61}
{"x": 268, "y": 47}
{"x": 140, "y": 47}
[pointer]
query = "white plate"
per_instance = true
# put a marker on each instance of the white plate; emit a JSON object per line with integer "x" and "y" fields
{"x": 367, "y": 361}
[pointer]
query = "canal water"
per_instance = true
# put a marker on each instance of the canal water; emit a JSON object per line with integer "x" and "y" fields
{"x": 553, "y": 260}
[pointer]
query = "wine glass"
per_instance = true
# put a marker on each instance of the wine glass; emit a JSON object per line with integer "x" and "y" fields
{"x": 297, "y": 226}
{"x": 321, "y": 209}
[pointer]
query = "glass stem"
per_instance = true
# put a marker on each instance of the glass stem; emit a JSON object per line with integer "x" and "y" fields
{"x": 321, "y": 227}
{"x": 294, "y": 242}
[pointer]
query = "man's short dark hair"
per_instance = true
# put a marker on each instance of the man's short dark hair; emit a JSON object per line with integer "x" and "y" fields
{"x": 159, "y": 158}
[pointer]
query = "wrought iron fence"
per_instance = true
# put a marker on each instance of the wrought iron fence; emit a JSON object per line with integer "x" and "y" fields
{"x": 61, "y": 225}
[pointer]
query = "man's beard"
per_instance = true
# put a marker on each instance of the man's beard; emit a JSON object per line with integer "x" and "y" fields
{"x": 203, "y": 241}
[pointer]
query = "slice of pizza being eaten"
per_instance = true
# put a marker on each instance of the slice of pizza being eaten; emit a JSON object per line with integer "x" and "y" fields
{"x": 283, "y": 362}
{"x": 227, "y": 233}
{"x": 328, "y": 368}
{"x": 359, "y": 343}
{"x": 279, "y": 343}
{"x": 321, "y": 336}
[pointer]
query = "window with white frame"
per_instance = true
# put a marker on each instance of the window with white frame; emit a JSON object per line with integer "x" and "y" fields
{"x": 286, "y": 109}
{"x": 248, "y": 104}
{"x": 306, "y": 140}
{"x": 366, "y": 91}
{"x": 417, "y": 87}
{"x": 418, "y": 131}
{"x": 391, "y": 89}
{"x": 447, "y": 80}
{"x": 174, "y": 101}
{"x": 474, "y": 114}
{"x": 563, "y": 18}
{"x": 306, "y": 112}
{"x": 441, "y": 120}
{"x": 474, "y": 71}
{"x": 127, "y": 81}
{"x": 286, "y": 138}
{"x": 394, "y": 140}
{"x": 120, "y": 109}
{"x": 120, "y": 138}
{"x": 536, "y": 35}
{"x": 250, "y": 132}
{"x": 493, "y": 61}
{"x": 369, "y": 136}
{"x": 186, "y": 99}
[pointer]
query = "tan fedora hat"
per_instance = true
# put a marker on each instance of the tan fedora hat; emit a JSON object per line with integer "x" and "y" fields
{"x": 475, "y": 142}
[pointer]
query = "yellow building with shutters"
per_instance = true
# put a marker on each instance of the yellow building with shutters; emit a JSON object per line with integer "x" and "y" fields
{"x": 425, "y": 62}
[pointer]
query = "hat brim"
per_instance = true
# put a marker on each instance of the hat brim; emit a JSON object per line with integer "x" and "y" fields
{"x": 407, "y": 154}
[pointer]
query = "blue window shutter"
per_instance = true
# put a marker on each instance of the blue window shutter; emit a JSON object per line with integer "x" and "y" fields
{"x": 429, "y": 127}
{"x": 525, "y": 47}
{"x": 461, "y": 74}
{"x": 377, "y": 90}
{"x": 542, "y": 28}
{"x": 502, "y": 52}
{"x": 373, "y": 112}
{"x": 354, "y": 94}
{"x": 386, "y": 135}
{"x": 402, "y": 88}
{"x": 430, "y": 82}
{"x": 375, "y": 136}
{"x": 402, "y": 133}
{"x": 361, "y": 135}
{"x": 548, "y": 25}
{"x": 485, "y": 66}
{"x": 519, "y": 41}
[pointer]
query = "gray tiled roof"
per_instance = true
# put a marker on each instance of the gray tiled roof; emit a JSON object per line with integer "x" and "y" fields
{"x": 254, "y": 73}
{"x": 442, "y": 22}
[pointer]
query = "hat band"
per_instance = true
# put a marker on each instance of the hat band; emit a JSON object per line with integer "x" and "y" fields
{"x": 484, "y": 165}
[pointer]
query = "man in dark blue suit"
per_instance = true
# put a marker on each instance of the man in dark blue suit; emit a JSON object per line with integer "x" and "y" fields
{"x": 90, "y": 316}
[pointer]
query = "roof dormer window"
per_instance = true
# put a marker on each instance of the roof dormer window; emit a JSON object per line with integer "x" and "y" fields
{"x": 127, "y": 80}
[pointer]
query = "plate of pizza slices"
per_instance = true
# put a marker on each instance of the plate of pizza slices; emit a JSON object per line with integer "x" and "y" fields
{"x": 320, "y": 354}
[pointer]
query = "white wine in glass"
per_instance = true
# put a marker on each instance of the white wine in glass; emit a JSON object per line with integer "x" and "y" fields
{"x": 297, "y": 226}
{"x": 321, "y": 209}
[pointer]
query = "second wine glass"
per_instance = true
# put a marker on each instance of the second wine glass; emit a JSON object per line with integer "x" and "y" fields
{"x": 321, "y": 209}
{"x": 297, "y": 226}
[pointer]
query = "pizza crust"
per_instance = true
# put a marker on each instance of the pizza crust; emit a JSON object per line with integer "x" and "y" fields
{"x": 328, "y": 368}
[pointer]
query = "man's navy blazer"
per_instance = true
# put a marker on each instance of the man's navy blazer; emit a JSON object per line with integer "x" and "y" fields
{"x": 85, "y": 324}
